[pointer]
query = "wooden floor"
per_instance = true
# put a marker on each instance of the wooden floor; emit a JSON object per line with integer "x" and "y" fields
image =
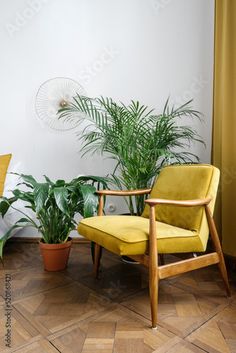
{"x": 70, "y": 311}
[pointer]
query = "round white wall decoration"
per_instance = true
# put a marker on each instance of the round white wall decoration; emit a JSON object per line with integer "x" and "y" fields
{"x": 54, "y": 94}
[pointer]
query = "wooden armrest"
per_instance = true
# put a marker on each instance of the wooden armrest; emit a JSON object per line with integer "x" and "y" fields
{"x": 185, "y": 203}
{"x": 124, "y": 192}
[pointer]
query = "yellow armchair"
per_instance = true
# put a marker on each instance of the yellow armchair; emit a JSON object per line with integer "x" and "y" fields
{"x": 177, "y": 219}
{"x": 4, "y": 162}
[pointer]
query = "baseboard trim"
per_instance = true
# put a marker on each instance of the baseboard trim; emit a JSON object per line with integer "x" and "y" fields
{"x": 37, "y": 240}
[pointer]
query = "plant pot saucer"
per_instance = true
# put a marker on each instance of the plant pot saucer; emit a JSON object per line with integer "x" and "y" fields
{"x": 128, "y": 260}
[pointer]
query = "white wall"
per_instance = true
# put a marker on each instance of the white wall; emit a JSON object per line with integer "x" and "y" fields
{"x": 137, "y": 49}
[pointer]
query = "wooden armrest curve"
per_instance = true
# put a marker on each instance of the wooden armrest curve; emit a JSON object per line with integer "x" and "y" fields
{"x": 124, "y": 192}
{"x": 185, "y": 203}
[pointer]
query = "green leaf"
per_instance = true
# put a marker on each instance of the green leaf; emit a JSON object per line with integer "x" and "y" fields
{"x": 23, "y": 220}
{"x": 93, "y": 179}
{"x": 29, "y": 179}
{"x": 48, "y": 180}
{"x": 90, "y": 200}
{"x": 60, "y": 183}
{"x": 23, "y": 195}
{"x": 5, "y": 204}
{"x": 7, "y": 235}
{"x": 40, "y": 195}
{"x": 61, "y": 198}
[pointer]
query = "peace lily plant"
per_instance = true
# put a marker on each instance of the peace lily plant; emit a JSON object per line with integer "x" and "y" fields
{"x": 140, "y": 141}
{"x": 54, "y": 205}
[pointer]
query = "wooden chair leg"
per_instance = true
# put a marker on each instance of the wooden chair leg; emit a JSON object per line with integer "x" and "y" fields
{"x": 97, "y": 248}
{"x": 97, "y": 258}
{"x": 153, "y": 267}
{"x": 224, "y": 275}
{"x": 153, "y": 292}
{"x": 217, "y": 245}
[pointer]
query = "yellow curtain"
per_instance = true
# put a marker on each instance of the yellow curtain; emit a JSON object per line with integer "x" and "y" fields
{"x": 224, "y": 120}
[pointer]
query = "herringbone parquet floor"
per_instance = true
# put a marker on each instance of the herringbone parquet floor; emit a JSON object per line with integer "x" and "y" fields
{"x": 71, "y": 312}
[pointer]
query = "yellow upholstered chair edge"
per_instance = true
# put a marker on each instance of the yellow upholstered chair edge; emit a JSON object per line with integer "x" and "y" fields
{"x": 4, "y": 163}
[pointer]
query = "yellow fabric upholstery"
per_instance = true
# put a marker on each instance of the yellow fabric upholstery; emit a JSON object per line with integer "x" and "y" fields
{"x": 4, "y": 162}
{"x": 179, "y": 229}
{"x": 128, "y": 235}
{"x": 186, "y": 182}
{"x": 181, "y": 183}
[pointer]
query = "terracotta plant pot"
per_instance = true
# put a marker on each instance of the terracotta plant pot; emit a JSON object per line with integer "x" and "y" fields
{"x": 55, "y": 256}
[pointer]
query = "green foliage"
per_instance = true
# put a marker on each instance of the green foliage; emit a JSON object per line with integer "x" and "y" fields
{"x": 55, "y": 204}
{"x": 140, "y": 141}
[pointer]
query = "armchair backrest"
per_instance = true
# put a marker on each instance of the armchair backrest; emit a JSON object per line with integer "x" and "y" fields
{"x": 185, "y": 182}
{"x": 4, "y": 162}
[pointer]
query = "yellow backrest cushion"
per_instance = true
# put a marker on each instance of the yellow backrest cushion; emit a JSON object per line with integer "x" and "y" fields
{"x": 4, "y": 162}
{"x": 184, "y": 182}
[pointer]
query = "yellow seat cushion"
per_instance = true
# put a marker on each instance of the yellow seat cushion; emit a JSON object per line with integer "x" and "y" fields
{"x": 128, "y": 235}
{"x": 4, "y": 162}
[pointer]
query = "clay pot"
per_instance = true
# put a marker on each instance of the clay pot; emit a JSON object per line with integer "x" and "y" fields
{"x": 55, "y": 256}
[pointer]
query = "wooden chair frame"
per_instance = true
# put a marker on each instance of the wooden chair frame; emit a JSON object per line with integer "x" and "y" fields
{"x": 150, "y": 260}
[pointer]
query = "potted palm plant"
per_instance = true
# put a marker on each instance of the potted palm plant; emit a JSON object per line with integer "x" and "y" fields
{"x": 54, "y": 206}
{"x": 140, "y": 141}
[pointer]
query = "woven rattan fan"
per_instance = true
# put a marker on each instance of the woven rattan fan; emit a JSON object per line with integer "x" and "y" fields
{"x": 52, "y": 95}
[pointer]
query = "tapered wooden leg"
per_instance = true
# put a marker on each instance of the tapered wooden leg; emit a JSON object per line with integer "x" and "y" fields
{"x": 97, "y": 248}
{"x": 153, "y": 292}
{"x": 153, "y": 267}
{"x": 217, "y": 245}
{"x": 224, "y": 275}
{"x": 97, "y": 257}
